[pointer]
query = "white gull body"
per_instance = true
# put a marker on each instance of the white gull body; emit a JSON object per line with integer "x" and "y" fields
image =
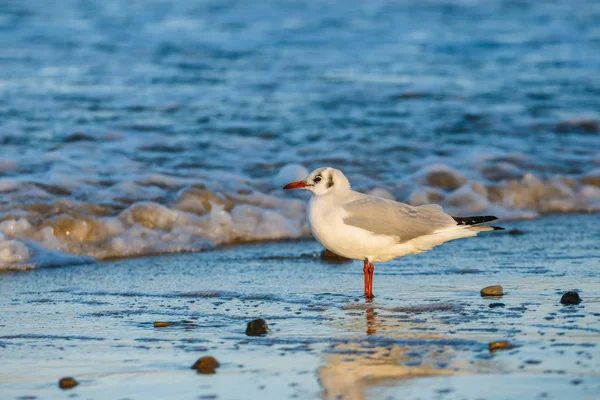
{"x": 363, "y": 227}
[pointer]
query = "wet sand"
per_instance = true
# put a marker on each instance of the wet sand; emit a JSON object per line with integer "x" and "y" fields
{"x": 425, "y": 335}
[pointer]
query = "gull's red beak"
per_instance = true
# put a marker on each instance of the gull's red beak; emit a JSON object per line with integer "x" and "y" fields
{"x": 295, "y": 185}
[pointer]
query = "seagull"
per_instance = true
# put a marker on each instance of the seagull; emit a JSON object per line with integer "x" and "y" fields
{"x": 373, "y": 229}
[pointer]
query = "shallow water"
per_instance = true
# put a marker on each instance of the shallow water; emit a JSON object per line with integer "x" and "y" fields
{"x": 427, "y": 323}
{"x": 136, "y": 128}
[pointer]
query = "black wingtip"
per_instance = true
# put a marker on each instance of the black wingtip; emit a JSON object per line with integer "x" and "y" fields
{"x": 474, "y": 220}
{"x": 497, "y": 228}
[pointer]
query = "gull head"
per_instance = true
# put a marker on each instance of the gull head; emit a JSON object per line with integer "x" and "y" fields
{"x": 322, "y": 181}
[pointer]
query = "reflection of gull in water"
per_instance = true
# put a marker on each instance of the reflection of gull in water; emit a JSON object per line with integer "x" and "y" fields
{"x": 371, "y": 322}
{"x": 374, "y": 229}
{"x": 353, "y": 366}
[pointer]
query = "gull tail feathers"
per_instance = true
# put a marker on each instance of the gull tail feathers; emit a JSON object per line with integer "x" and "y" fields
{"x": 465, "y": 227}
{"x": 476, "y": 222}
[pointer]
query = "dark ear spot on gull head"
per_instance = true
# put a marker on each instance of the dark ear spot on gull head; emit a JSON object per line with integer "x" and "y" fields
{"x": 330, "y": 181}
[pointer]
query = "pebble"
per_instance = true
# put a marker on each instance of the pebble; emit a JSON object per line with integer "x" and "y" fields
{"x": 533, "y": 362}
{"x": 501, "y": 345}
{"x": 206, "y": 365}
{"x": 570, "y": 298}
{"x": 161, "y": 324}
{"x": 257, "y": 327}
{"x": 495, "y": 290}
{"x": 67, "y": 383}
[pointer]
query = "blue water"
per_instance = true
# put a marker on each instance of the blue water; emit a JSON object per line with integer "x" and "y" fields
{"x": 105, "y": 104}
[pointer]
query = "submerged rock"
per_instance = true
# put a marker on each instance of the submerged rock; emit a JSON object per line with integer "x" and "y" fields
{"x": 570, "y": 298}
{"x": 162, "y": 324}
{"x": 79, "y": 137}
{"x": 495, "y": 290}
{"x": 578, "y": 125}
{"x": 257, "y": 327}
{"x": 516, "y": 232}
{"x": 67, "y": 383}
{"x": 206, "y": 365}
{"x": 500, "y": 345}
{"x": 331, "y": 257}
{"x": 494, "y": 305}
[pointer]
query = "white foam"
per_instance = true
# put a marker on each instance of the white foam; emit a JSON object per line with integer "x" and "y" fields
{"x": 148, "y": 227}
{"x": 590, "y": 192}
{"x": 255, "y": 223}
{"x": 381, "y": 192}
{"x": 150, "y": 215}
{"x": 198, "y": 201}
{"x": 13, "y": 252}
{"x": 468, "y": 199}
{"x": 590, "y": 197}
{"x": 13, "y": 227}
{"x": 48, "y": 240}
{"x": 426, "y": 195}
{"x": 289, "y": 173}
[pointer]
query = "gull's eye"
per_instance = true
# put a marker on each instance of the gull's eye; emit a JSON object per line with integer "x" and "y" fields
{"x": 318, "y": 179}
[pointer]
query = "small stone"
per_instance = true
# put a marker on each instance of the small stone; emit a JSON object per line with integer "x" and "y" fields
{"x": 330, "y": 257}
{"x": 570, "y": 298}
{"x": 411, "y": 95}
{"x": 161, "y": 324}
{"x": 257, "y": 327}
{"x": 206, "y": 365}
{"x": 494, "y": 305}
{"x": 578, "y": 125}
{"x": 501, "y": 345}
{"x": 533, "y": 362}
{"x": 67, "y": 383}
{"x": 495, "y": 290}
{"x": 79, "y": 137}
{"x": 516, "y": 232}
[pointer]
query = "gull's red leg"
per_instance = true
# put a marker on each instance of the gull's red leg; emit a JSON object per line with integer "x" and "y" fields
{"x": 366, "y": 272}
{"x": 371, "y": 270}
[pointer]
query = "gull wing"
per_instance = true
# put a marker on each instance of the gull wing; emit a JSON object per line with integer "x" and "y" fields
{"x": 399, "y": 220}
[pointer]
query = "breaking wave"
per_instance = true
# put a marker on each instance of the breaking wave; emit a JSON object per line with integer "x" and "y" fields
{"x": 65, "y": 231}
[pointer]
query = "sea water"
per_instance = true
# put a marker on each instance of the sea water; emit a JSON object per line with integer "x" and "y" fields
{"x": 137, "y": 128}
